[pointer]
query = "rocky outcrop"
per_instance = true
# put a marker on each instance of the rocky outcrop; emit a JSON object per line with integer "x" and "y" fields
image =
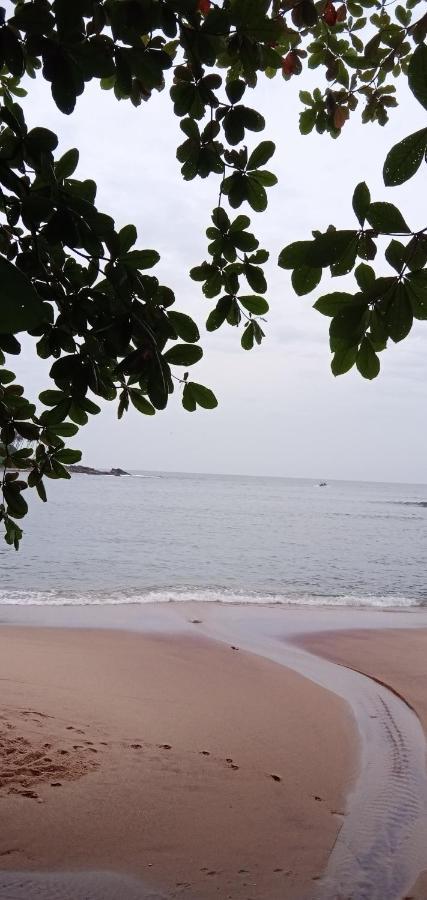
{"x": 87, "y": 470}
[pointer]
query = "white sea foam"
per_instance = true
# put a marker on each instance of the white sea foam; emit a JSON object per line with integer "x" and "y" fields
{"x": 134, "y": 597}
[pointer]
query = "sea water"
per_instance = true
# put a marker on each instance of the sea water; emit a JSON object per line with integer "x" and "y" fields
{"x": 170, "y": 537}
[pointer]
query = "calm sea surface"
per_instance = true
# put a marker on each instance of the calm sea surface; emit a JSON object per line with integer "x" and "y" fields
{"x": 159, "y": 537}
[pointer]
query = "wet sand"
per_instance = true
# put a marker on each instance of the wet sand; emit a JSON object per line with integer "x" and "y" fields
{"x": 202, "y": 770}
{"x": 397, "y": 658}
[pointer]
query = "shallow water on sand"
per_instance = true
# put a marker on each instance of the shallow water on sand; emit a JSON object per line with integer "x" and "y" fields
{"x": 73, "y": 886}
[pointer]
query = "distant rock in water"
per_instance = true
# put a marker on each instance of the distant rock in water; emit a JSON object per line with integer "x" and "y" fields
{"x": 87, "y": 470}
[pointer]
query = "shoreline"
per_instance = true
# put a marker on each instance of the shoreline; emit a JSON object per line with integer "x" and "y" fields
{"x": 290, "y": 638}
{"x": 193, "y": 756}
{"x": 384, "y": 659}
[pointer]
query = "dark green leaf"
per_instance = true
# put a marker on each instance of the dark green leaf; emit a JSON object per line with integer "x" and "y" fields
{"x": 183, "y": 355}
{"x": 305, "y": 279}
{"x": 20, "y": 306}
{"x": 66, "y": 429}
{"x": 348, "y": 326}
{"x": 295, "y": 255}
{"x": 218, "y": 315}
{"x": 201, "y": 273}
{"x": 41, "y": 140}
{"x": 361, "y": 201}
{"x": 307, "y": 120}
{"x": 77, "y": 414}
{"x": 17, "y": 506}
{"x": 367, "y": 360}
{"x": 184, "y": 326}
{"x": 399, "y": 315}
{"x": 346, "y": 262}
{"x": 332, "y": 304}
{"x": 127, "y": 237}
{"x": 260, "y": 156}
{"x": 235, "y": 90}
{"x": 417, "y": 74}
{"x": 330, "y": 247}
{"x": 56, "y": 415}
{"x": 267, "y": 179}
{"x": 405, "y": 158}
{"x": 141, "y": 259}
{"x": 68, "y": 163}
{"x": 68, "y": 457}
{"x": 140, "y": 402}
{"x": 255, "y": 278}
{"x": 202, "y": 395}
{"x": 385, "y": 218}
{"x": 188, "y": 399}
{"x": 247, "y": 339}
{"x": 417, "y": 286}
{"x": 395, "y": 254}
{"x": 240, "y": 223}
{"x": 255, "y": 194}
{"x": 258, "y": 306}
{"x": 51, "y": 398}
{"x": 343, "y": 360}
{"x": 41, "y": 490}
{"x": 244, "y": 240}
{"x": 365, "y": 277}
{"x": 6, "y": 376}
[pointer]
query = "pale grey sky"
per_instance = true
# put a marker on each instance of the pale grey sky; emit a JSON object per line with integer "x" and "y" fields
{"x": 281, "y": 412}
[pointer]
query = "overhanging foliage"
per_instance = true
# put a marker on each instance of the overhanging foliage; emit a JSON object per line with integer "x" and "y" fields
{"x": 85, "y": 289}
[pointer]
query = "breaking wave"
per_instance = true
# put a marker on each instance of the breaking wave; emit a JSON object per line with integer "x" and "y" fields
{"x": 188, "y": 595}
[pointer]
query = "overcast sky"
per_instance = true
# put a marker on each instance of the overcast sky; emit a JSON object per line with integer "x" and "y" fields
{"x": 281, "y": 412}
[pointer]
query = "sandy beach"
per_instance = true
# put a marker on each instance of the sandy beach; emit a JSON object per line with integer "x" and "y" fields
{"x": 396, "y": 657}
{"x": 205, "y": 771}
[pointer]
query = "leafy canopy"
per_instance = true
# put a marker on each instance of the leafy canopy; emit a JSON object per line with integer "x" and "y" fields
{"x": 85, "y": 289}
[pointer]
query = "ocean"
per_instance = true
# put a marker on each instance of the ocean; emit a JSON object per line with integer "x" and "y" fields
{"x": 158, "y": 537}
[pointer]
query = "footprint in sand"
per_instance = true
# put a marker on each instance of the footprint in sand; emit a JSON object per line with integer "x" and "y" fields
{"x": 136, "y": 746}
{"x": 165, "y": 746}
{"x": 276, "y": 777}
{"x": 205, "y": 753}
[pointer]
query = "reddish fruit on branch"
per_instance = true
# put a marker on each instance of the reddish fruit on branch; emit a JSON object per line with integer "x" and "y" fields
{"x": 330, "y": 14}
{"x": 341, "y": 115}
{"x": 204, "y": 6}
{"x": 290, "y": 63}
